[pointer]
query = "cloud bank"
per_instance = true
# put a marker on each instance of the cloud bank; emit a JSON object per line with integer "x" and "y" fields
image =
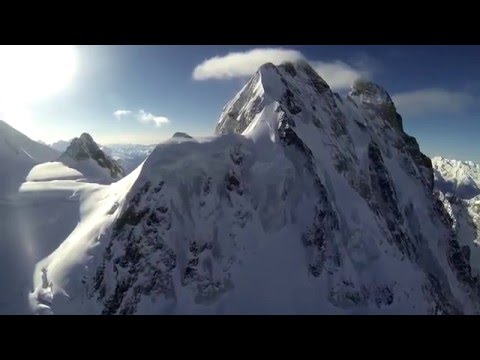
{"x": 427, "y": 101}
{"x": 242, "y": 64}
{"x": 142, "y": 116}
{"x": 337, "y": 74}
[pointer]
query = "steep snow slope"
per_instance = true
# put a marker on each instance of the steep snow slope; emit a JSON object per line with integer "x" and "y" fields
{"x": 461, "y": 178}
{"x": 85, "y": 156}
{"x": 16, "y": 145}
{"x": 33, "y": 224}
{"x": 321, "y": 205}
{"x": 18, "y": 154}
{"x": 35, "y": 220}
{"x": 97, "y": 207}
{"x": 465, "y": 215}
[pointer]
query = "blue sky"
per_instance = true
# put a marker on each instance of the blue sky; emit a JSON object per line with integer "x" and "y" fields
{"x": 164, "y": 89}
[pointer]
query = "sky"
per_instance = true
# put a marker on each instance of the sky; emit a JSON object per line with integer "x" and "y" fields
{"x": 144, "y": 94}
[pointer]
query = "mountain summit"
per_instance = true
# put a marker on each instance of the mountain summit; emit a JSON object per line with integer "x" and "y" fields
{"x": 181, "y": 135}
{"x": 305, "y": 203}
{"x": 85, "y": 155}
{"x": 375, "y": 97}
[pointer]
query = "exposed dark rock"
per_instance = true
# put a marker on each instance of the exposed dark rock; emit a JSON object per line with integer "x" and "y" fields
{"x": 84, "y": 148}
{"x": 182, "y": 135}
{"x": 377, "y": 99}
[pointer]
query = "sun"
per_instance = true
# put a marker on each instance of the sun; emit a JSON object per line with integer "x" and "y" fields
{"x": 29, "y": 74}
{"x": 32, "y": 73}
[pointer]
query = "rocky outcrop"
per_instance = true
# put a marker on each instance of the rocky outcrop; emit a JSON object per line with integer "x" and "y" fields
{"x": 85, "y": 148}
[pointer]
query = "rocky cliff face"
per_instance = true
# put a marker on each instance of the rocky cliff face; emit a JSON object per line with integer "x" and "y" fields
{"x": 307, "y": 202}
{"x": 84, "y": 152}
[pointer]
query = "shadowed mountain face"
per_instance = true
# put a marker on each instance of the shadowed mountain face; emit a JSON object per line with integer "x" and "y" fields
{"x": 305, "y": 203}
{"x": 181, "y": 135}
{"x": 85, "y": 155}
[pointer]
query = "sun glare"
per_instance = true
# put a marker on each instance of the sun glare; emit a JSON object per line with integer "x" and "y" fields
{"x": 29, "y": 74}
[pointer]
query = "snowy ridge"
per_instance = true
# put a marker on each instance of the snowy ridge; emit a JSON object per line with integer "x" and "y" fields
{"x": 13, "y": 144}
{"x": 306, "y": 202}
{"x": 459, "y": 177}
{"x": 98, "y": 208}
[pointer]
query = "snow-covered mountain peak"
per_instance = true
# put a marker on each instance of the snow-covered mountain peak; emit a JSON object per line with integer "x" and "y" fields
{"x": 294, "y": 88}
{"x": 369, "y": 92}
{"x": 85, "y": 153}
{"x": 181, "y": 135}
{"x": 459, "y": 164}
{"x": 307, "y": 203}
{"x": 284, "y": 86}
{"x": 14, "y": 144}
{"x": 459, "y": 177}
{"x": 87, "y": 138}
{"x": 82, "y": 148}
{"x": 375, "y": 98}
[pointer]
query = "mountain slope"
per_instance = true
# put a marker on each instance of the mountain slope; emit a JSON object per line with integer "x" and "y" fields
{"x": 14, "y": 144}
{"x": 306, "y": 203}
{"x": 457, "y": 177}
{"x": 458, "y": 183}
{"x": 84, "y": 155}
{"x": 465, "y": 216}
{"x": 30, "y": 227}
{"x": 18, "y": 154}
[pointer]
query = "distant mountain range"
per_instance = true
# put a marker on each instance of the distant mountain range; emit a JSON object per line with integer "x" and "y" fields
{"x": 461, "y": 178}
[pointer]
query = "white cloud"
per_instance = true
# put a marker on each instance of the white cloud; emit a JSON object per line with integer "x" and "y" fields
{"x": 337, "y": 74}
{"x": 120, "y": 113}
{"x": 431, "y": 101}
{"x": 150, "y": 118}
{"x": 242, "y": 64}
{"x": 142, "y": 116}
